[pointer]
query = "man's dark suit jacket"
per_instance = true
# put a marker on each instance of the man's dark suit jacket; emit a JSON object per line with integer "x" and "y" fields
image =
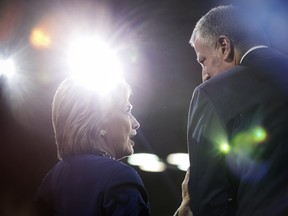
{"x": 92, "y": 185}
{"x": 238, "y": 139}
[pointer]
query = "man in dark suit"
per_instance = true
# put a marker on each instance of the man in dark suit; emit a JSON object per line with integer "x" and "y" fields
{"x": 238, "y": 120}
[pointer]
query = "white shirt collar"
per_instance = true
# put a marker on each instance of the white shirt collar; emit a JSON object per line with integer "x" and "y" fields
{"x": 251, "y": 49}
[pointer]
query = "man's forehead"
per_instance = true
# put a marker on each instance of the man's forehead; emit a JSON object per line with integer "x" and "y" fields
{"x": 199, "y": 51}
{"x": 198, "y": 46}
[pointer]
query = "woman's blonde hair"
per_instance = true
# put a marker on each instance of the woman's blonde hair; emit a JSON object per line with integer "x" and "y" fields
{"x": 78, "y": 114}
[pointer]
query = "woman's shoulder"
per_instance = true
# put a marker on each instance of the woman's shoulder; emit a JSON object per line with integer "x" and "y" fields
{"x": 97, "y": 164}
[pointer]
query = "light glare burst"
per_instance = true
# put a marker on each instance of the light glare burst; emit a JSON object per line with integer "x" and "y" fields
{"x": 94, "y": 64}
{"x": 7, "y": 67}
{"x": 225, "y": 148}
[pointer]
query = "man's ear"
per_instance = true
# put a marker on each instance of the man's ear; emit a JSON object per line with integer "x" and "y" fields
{"x": 225, "y": 48}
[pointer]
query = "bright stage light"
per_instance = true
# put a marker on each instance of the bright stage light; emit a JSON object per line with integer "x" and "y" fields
{"x": 181, "y": 160}
{"x": 153, "y": 166}
{"x": 94, "y": 64}
{"x": 147, "y": 162}
{"x": 7, "y": 67}
{"x": 141, "y": 158}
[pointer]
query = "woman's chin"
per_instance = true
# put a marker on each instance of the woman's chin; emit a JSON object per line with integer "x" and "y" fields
{"x": 132, "y": 143}
{"x": 129, "y": 151}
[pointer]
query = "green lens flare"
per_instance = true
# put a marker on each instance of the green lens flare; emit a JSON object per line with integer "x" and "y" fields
{"x": 259, "y": 134}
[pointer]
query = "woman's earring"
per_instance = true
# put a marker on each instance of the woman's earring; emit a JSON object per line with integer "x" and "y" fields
{"x": 103, "y": 132}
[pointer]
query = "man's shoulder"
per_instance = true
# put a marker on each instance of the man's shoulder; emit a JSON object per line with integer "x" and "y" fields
{"x": 264, "y": 58}
{"x": 234, "y": 91}
{"x": 224, "y": 81}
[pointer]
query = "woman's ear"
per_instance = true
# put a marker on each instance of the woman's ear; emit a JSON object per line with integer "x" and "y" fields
{"x": 225, "y": 48}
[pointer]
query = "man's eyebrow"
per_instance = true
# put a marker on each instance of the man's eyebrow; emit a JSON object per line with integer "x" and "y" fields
{"x": 200, "y": 59}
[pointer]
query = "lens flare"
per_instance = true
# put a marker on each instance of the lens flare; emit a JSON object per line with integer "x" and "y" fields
{"x": 224, "y": 148}
{"x": 259, "y": 134}
{"x": 39, "y": 38}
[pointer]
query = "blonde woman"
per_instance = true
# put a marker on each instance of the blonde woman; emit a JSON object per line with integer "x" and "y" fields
{"x": 93, "y": 132}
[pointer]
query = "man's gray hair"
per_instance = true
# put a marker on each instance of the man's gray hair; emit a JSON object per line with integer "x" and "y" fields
{"x": 233, "y": 22}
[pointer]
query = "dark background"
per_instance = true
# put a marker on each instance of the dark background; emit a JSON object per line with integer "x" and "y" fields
{"x": 153, "y": 39}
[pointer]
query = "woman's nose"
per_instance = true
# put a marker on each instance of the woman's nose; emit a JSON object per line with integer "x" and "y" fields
{"x": 135, "y": 123}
